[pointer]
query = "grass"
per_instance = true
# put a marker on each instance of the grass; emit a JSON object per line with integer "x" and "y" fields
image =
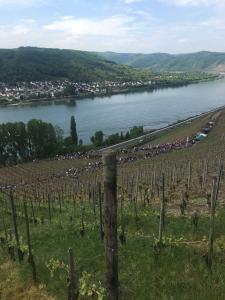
{"x": 177, "y": 272}
{"x": 13, "y": 287}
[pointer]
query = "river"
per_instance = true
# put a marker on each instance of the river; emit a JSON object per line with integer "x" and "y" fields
{"x": 120, "y": 112}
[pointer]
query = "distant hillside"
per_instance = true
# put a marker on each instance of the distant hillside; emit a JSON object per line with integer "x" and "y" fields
{"x": 29, "y": 63}
{"x": 200, "y": 61}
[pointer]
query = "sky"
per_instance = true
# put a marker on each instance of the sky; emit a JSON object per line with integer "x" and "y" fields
{"x": 143, "y": 26}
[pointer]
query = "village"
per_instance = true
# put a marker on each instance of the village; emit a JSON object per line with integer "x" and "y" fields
{"x": 36, "y": 90}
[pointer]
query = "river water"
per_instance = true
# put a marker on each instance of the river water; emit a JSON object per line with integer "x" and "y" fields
{"x": 120, "y": 112}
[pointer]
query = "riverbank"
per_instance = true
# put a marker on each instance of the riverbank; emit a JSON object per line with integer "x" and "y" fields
{"x": 120, "y": 112}
{"x": 73, "y": 98}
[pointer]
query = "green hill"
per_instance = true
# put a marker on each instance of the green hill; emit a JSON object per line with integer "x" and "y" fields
{"x": 29, "y": 63}
{"x": 200, "y": 61}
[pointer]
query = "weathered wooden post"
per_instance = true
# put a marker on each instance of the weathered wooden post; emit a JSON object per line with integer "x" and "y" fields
{"x": 49, "y": 208}
{"x": 4, "y": 224}
{"x": 14, "y": 215}
{"x": 100, "y": 211}
{"x": 162, "y": 212}
{"x": 110, "y": 223}
{"x": 73, "y": 282}
{"x": 220, "y": 173}
{"x": 195, "y": 220}
{"x": 60, "y": 203}
{"x": 33, "y": 214}
{"x": 211, "y": 225}
{"x": 204, "y": 175}
{"x": 189, "y": 176}
{"x": 214, "y": 198}
{"x": 30, "y": 257}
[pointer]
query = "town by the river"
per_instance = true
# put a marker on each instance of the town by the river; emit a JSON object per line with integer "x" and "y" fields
{"x": 122, "y": 111}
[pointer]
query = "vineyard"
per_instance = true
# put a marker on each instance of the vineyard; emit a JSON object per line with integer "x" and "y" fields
{"x": 170, "y": 223}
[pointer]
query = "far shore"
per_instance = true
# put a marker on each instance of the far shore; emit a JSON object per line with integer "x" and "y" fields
{"x": 65, "y": 99}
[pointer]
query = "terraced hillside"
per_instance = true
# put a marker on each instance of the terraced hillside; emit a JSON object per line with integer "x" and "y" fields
{"x": 64, "y": 203}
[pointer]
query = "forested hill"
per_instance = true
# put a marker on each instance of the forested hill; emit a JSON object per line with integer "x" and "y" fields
{"x": 38, "y": 64}
{"x": 199, "y": 61}
{"x": 30, "y": 63}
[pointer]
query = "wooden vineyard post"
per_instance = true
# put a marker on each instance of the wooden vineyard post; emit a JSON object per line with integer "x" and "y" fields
{"x": 189, "y": 176}
{"x": 20, "y": 256}
{"x": 214, "y": 197}
{"x": 218, "y": 181}
{"x": 60, "y": 203}
{"x": 93, "y": 199}
{"x": 211, "y": 226}
{"x": 204, "y": 176}
{"x": 72, "y": 285}
{"x": 33, "y": 214}
{"x": 3, "y": 221}
{"x": 100, "y": 211}
{"x": 49, "y": 208}
{"x": 30, "y": 258}
{"x": 162, "y": 212}
{"x": 110, "y": 224}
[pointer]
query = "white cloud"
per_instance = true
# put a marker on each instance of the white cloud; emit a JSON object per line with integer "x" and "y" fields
{"x": 135, "y": 31}
{"x": 214, "y": 24}
{"x": 20, "y": 2}
{"x": 112, "y": 26}
{"x": 28, "y": 21}
{"x": 20, "y": 29}
{"x": 195, "y": 2}
{"x": 131, "y": 1}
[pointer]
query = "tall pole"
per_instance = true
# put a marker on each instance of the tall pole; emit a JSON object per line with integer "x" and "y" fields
{"x": 110, "y": 224}
{"x": 14, "y": 215}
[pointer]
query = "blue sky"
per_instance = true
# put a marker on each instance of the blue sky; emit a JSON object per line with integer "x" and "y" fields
{"x": 174, "y": 26}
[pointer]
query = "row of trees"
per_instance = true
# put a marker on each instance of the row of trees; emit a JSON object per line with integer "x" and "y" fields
{"x": 98, "y": 138}
{"x": 21, "y": 142}
{"x": 36, "y": 139}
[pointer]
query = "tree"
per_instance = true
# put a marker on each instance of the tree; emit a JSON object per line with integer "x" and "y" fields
{"x": 59, "y": 133}
{"x": 20, "y": 141}
{"x": 136, "y": 131}
{"x": 73, "y": 131}
{"x": 97, "y": 139}
{"x": 42, "y": 139}
{"x": 69, "y": 90}
{"x": 113, "y": 139}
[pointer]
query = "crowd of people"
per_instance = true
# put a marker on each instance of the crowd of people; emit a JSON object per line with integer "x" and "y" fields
{"x": 130, "y": 155}
{"x": 92, "y": 154}
{"x": 125, "y": 155}
{"x": 91, "y": 166}
{"x": 167, "y": 147}
{"x": 72, "y": 156}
